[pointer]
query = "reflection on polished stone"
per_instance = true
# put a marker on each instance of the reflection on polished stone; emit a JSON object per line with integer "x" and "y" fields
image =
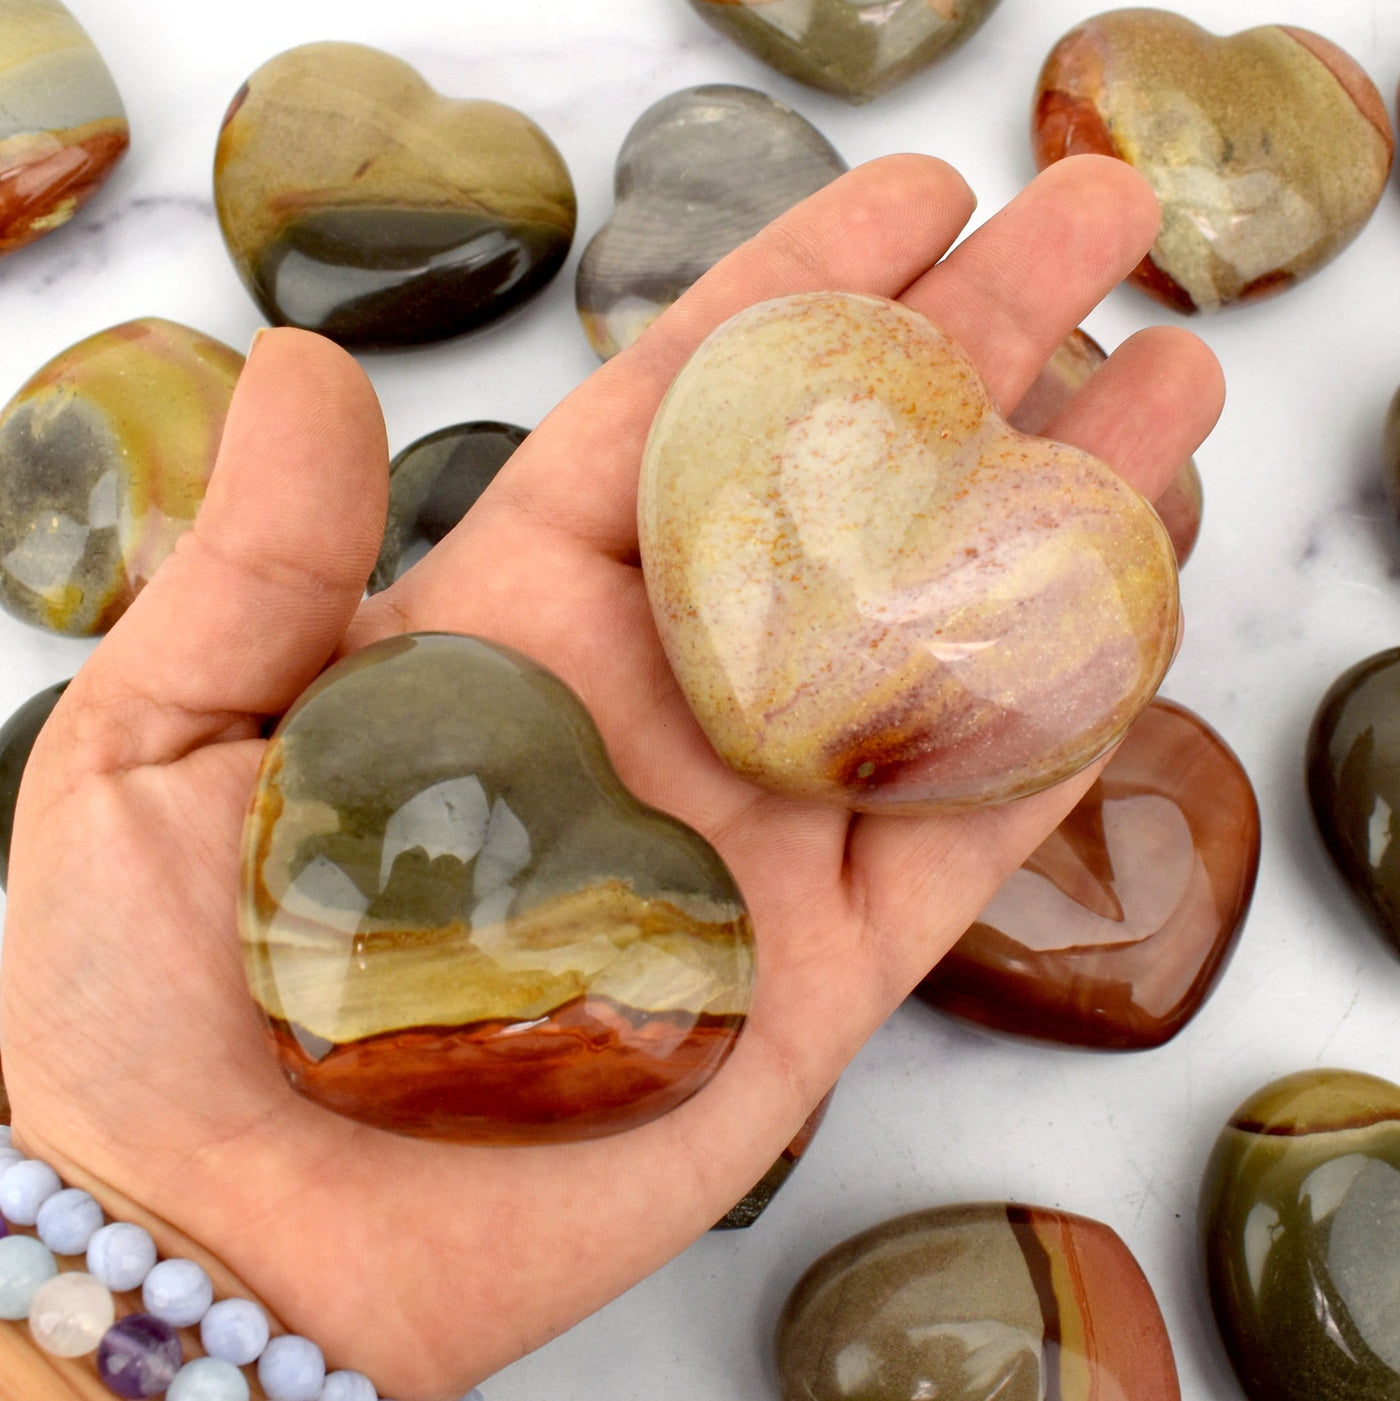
{"x": 17, "y": 736}
{"x": 755, "y": 1201}
{"x": 1268, "y": 150}
{"x": 434, "y": 482}
{"x": 871, "y": 590}
{"x": 357, "y": 202}
{"x": 104, "y": 457}
{"x": 1391, "y": 449}
{"x": 1300, "y": 1214}
{"x": 460, "y": 925}
{"x": 857, "y": 49}
{"x": 1354, "y": 783}
{"x": 1065, "y": 373}
{"x": 701, "y": 172}
{"x": 62, "y": 124}
{"x": 1118, "y": 927}
{"x": 984, "y": 1302}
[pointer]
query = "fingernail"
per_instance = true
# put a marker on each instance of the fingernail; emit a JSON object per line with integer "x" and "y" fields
{"x": 257, "y": 336}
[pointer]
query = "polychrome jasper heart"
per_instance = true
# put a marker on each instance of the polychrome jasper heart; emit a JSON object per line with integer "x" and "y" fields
{"x": 1300, "y": 1216}
{"x": 1116, "y": 929}
{"x": 873, "y": 591}
{"x": 1353, "y": 760}
{"x": 1268, "y": 150}
{"x": 857, "y": 49}
{"x": 357, "y": 202}
{"x": 62, "y": 125}
{"x": 700, "y": 172}
{"x": 460, "y": 925}
{"x": 1065, "y": 373}
{"x": 434, "y": 482}
{"x": 984, "y": 1302}
{"x": 104, "y": 457}
{"x": 17, "y": 736}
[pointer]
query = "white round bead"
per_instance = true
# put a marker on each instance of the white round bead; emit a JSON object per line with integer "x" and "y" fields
{"x": 70, "y": 1313}
{"x": 291, "y": 1369}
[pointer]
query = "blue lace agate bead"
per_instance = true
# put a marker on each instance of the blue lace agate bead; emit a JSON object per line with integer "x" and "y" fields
{"x": 292, "y": 1369}
{"x": 348, "y": 1386}
{"x": 68, "y": 1221}
{"x": 121, "y": 1255}
{"x": 177, "y": 1291}
{"x": 24, "y": 1187}
{"x": 235, "y": 1330}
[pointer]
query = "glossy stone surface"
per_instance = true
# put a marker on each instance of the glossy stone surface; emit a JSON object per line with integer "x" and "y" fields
{"x": 1065, "y": 373}
{"x": 458, "y": 922}
{"x": 1300, "y": 1213}
{"x": 701, "y": 171}
{"x": 104, "y": 457}
{"x": 357, "y": 202}
{"x": 982, "y": 1302}
{"x": 755, "y": 1201}
{"x": 1268, "y": 150}
{"x": 856, "y": 49}
{"x": 1117, "y": 928}
{"x": 875, "y": 593}
{"x": 1391, "y": 450}
{"x": 434, "y": 482}
{"x": 1353, "y": 762}
{"x": 62, "y": 125}
{"x": 17, "y": 736}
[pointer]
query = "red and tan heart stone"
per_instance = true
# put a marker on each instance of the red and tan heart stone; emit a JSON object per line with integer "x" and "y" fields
{"x": 1268, "y": 150}
{"x": 872, "y": 590}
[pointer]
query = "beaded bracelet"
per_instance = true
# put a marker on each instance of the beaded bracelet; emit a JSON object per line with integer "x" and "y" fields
{"x": 73, "y": 1313}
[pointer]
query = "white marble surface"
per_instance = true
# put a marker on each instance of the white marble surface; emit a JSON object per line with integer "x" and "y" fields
{"x": 1295, "y": 579}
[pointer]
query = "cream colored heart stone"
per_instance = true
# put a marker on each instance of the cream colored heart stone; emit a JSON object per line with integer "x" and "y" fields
{"x": 872, "y": 590}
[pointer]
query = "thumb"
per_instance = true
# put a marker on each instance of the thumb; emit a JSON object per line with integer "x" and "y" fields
{"x": 257, "y": 595}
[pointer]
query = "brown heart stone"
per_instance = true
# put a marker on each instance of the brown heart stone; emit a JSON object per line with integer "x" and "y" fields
{"x": 1268, "y": 150}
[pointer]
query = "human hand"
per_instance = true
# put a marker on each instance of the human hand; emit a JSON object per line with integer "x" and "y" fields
{"x": 135, "y": 1059}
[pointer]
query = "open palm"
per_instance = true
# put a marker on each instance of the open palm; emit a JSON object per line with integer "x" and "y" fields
{"x": 134, "y": 1057}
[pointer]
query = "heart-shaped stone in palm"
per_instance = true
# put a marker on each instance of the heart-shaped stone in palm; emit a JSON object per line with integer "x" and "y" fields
{"x": 1268, "y": 150}
{"x": 871, "y": 589}
{"x": 460, "y": 925}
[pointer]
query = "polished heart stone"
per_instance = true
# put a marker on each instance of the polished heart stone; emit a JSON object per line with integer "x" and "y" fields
{"x": 983, "y": 1302}
{"x": 460, "y": 925}
{"x": 1065, "y": 373}
{"x": 1353, "y": 763}
{"x": 1300, "y": 1215}
{"x": 1268, "y": 150}
{"x": 104, "y": 457}
{"x": 62, "y": 124}
{"x": 1118, "y": 927}
{"x": 433, "y": 483}
{"x": 872, "y": 591}
{"x": 756, "y": 1200}
{"x": 700, "y": 172}
{"x": 857, "y": 49}
{"x": 1391, "y": 449}
{"x": 17, "y": 736}
{"x": 357, "y": 202}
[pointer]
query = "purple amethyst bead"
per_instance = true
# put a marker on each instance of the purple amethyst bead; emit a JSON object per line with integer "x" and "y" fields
{"x": 138, "y": 1356}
